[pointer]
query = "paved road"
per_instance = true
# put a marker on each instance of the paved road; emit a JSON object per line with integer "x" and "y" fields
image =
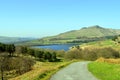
{"x": 75, "y": 71}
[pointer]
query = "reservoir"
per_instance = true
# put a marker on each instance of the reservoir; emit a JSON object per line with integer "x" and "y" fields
{"x": 57, "y": 46}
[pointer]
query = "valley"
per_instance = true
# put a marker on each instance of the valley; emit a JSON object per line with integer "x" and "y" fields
{"x": 59, "y": 40}
{"x": 44, "y": 57}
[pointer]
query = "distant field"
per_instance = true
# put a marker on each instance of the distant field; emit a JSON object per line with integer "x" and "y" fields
{"x": 105, "y": 43}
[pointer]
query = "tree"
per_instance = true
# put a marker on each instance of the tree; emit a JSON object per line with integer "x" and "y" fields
{"x": 23, "y": 49}
{"x": 48, "y": 56}
{"x": 25, "y": 64}
{"x": 78, "y": 47}
{"x": 4, "y": 64}
{"x": 2, "y": 47}
{"x": 39, "y": 54}
{"x": 114, "y": 38}
{"x": 31, "y": 52}
{"x": 54, "y": 58}
{"x": 10, "y": 48}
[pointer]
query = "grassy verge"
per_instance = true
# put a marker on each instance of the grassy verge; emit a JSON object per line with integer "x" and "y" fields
{"x": 42, "y": 70}
{"x": 105, "y": 71}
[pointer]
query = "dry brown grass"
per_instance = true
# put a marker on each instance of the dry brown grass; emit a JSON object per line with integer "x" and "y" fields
{"x": 114, "y": 61}
{"x": 40, "y": 68}
{"x": 37, "y": 69}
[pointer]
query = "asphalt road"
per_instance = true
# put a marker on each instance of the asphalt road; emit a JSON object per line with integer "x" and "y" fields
{"x": 75, "y": 71}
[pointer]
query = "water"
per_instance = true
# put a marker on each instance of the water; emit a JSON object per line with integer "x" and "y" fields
{"x": 56, "y": 47}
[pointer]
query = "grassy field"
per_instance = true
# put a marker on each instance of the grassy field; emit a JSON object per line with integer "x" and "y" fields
{"x": 42, "y": 71}
{"x": 105, "y": 71}
{"x": 105, "y": 43}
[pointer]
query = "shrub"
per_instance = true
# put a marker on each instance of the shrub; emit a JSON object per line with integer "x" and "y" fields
{"x": 39, "y": 54}
{"x": 89, "y": 54}
{"x": 31, "y": 52}
{"x": 95, "y": 53}
{"x": 92, "y": 53}
{"x": 16, "y": 65}
{"x": 73, "y": 54}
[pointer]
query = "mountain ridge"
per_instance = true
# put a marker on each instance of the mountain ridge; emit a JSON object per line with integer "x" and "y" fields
{"x": 91, "y": 31}
{"x": 85, "y": 34}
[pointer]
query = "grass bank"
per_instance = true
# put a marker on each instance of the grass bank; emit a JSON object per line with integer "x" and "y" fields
{"x": 105, "y": 71}
{"x": 43, "y": 70}
{"x": 105, "y": 43}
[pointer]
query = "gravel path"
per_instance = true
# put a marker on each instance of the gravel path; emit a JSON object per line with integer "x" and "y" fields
{"x": 75, "y": 71}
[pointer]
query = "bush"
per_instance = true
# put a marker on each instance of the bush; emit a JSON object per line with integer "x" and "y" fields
{"x": 25, "y": 64}
{"x": 95, "y": 53}
{"x": 39, "y": 54}
{"x": 16, "y": 65}
{"x": 73, "y": 54}
{"x": 92, "y": 53}
{"x": 89, "y": 54}
{"x": 31, "y": 52}
{"x": 60, "y": 53}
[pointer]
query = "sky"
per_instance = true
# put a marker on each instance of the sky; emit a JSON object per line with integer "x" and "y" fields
{"x": 40, "y": 18}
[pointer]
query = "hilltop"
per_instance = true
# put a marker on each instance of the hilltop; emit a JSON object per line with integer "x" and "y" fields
{"x": 92, "y": 31}
{"x": 85, "y": 34}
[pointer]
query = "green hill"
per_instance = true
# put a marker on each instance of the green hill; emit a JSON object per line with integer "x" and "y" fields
{"x": 93, "y": 31}
{"x": 4, "y": 39}
{"x": 85, "y": 34}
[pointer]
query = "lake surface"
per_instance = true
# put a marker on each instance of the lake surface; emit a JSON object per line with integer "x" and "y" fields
{"x": 56, "y": 47}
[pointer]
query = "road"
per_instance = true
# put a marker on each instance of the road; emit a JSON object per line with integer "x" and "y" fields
{"x": 75, "y": 71}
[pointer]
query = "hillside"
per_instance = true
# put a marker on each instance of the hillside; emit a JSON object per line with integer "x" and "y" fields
{"x": 4, "y": 39}
{"x": 85, "y": 34}
{"x": 92, "y": 31}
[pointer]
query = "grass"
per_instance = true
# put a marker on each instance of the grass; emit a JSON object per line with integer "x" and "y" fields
{"x": 42, "y": 71}
{"x": 105, "y": 71}
{"x": 113, "y": 61}
{"x": 105, "y": 43}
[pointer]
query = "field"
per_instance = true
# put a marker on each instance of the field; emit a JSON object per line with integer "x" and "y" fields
{"x": 105, "y": 70}
{"x": 105, "y": 43}
{"x": 42, "y": 71}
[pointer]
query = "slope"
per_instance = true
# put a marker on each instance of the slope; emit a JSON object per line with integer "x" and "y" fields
{"x": 85, "y": 34}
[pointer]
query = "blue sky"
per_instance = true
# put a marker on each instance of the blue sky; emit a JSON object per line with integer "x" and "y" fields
{"x": 39, "y": 18}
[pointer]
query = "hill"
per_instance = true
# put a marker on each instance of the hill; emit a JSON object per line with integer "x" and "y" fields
{"x": 92, "y": 31}
{"x": 85, "y": 34}
{"x": 4, "y": 39}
